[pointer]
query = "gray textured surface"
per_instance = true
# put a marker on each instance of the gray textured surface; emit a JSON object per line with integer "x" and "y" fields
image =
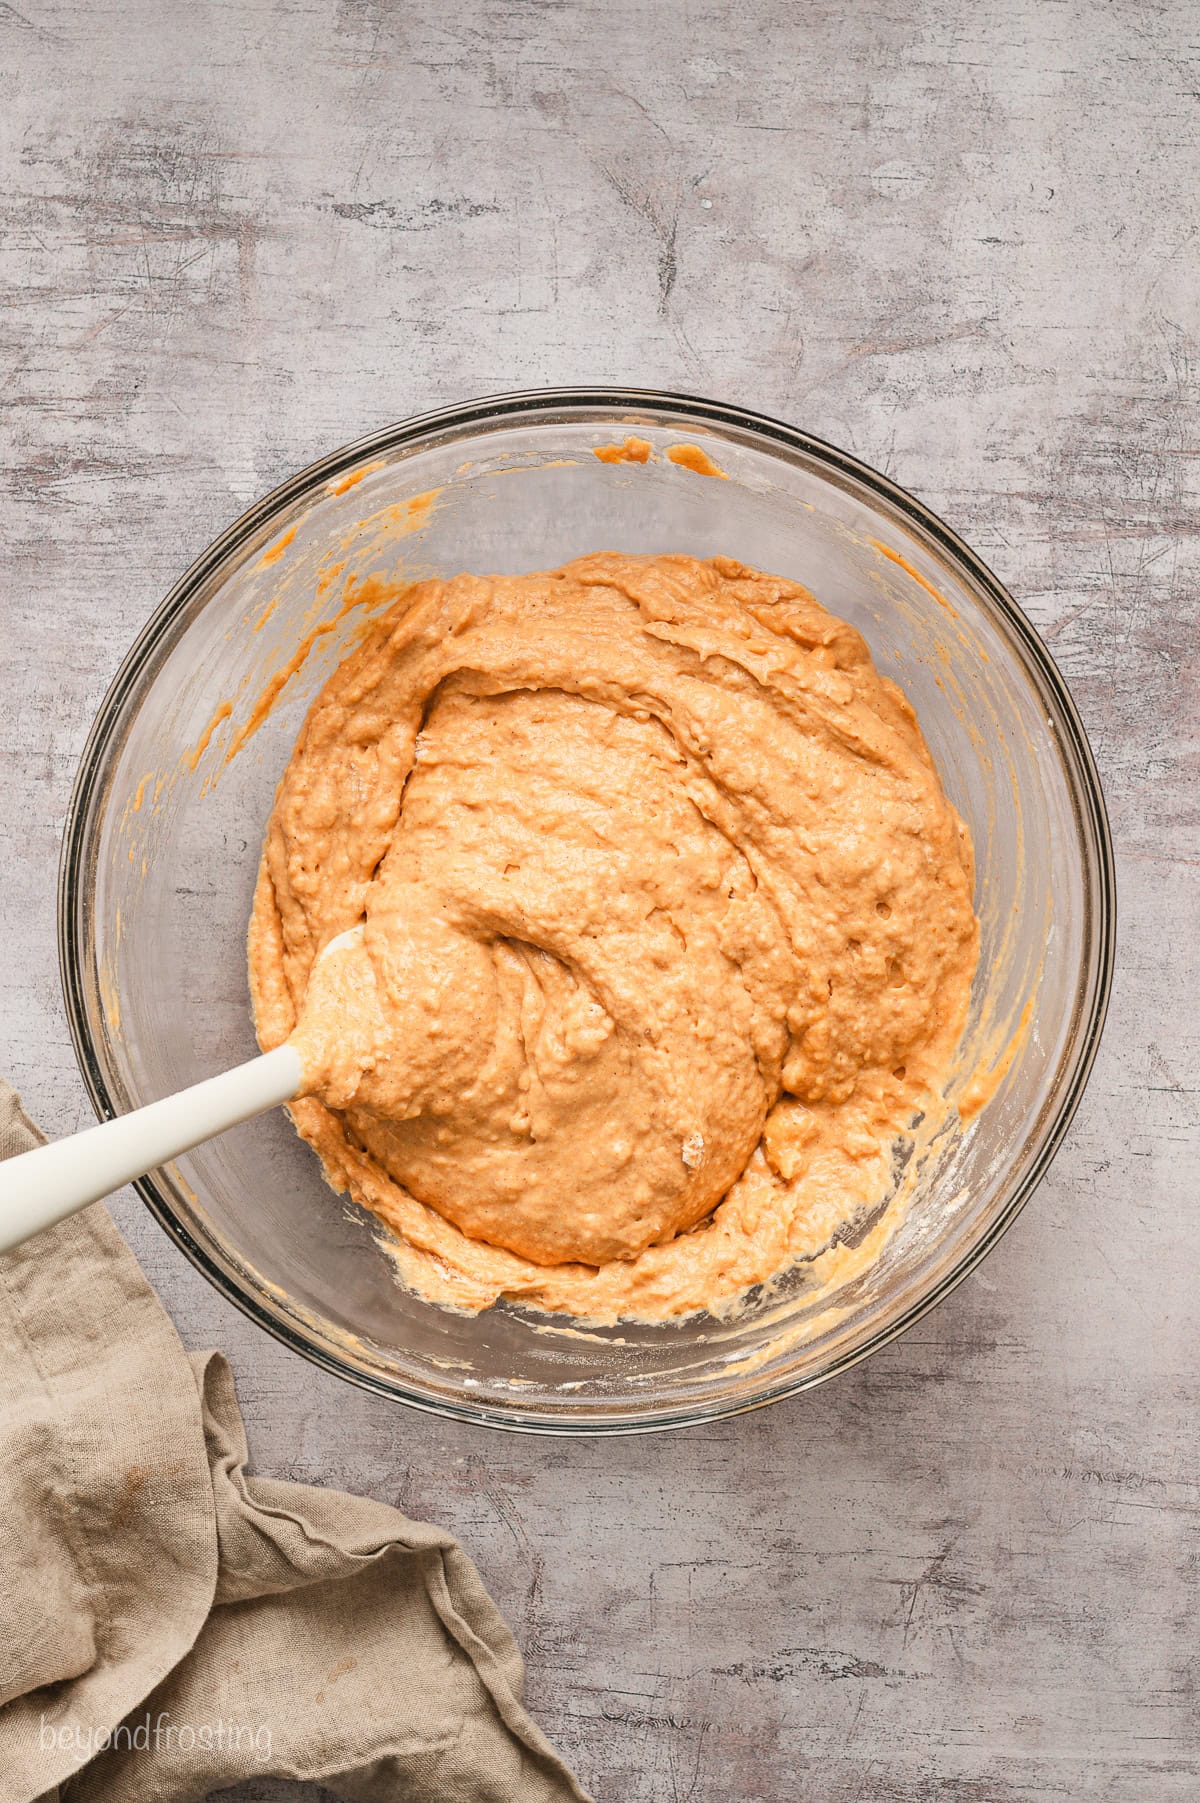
{"x": 960, "y": 241}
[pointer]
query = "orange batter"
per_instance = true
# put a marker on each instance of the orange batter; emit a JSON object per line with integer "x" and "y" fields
{"x": 667, "y": 932}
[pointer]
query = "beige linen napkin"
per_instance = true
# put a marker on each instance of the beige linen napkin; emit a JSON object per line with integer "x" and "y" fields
{"x": 170, "y": 1625}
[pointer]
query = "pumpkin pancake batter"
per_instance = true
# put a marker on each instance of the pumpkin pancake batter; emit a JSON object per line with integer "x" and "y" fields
{"x": 666, "y": 932}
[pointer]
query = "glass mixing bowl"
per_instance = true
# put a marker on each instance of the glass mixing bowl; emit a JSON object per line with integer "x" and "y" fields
{"x": 177, "y": 779}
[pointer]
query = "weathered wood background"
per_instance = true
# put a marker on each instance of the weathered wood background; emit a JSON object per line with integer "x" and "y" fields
{"x": 962, "y": 241}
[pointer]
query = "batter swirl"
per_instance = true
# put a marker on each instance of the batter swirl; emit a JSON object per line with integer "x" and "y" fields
{"x": 667, "y": 931}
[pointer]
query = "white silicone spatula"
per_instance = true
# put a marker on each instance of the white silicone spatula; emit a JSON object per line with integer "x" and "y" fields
{"x": 42, "y": 1187}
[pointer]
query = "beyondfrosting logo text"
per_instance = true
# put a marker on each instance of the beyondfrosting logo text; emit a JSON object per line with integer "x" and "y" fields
{"x": 158, "y": 1734}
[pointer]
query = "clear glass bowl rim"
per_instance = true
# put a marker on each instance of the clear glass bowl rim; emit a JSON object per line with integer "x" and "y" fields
{"x": 602, "y": 405}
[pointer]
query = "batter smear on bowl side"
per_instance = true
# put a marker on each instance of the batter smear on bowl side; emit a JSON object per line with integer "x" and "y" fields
{"x": 667, "y": 932}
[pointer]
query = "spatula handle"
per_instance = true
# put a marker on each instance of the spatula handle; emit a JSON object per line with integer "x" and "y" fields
{"x": 41, "y": 1187}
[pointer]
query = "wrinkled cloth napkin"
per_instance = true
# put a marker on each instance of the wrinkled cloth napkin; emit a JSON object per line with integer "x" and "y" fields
{"x": 170, "y": 1625}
